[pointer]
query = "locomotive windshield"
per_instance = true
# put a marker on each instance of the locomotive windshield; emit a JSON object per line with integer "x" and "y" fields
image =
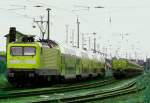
{"x": 16, "y": 51}
{"x": 23, "y": 51}
{"x": 29, "y": 51}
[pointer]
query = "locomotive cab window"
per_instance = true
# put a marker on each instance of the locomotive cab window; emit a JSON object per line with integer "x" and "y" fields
{"x": 23, "y": 51}
{"x": 16, "y": 51}
{"x": 29, "y": 51}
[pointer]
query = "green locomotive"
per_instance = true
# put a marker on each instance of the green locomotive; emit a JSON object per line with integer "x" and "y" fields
{"x": 125, "y": 68}
{"x": 47, "y": 60}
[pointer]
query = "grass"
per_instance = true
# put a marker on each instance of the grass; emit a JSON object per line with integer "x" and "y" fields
{"x": 3, "y": 81}
{"x": 137, "y": 97}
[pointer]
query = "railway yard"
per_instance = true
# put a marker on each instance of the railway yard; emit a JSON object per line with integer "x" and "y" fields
{"x": 63, "y": 55}
{"x": 45, "y": 72}
{"x": 108, "y": 90}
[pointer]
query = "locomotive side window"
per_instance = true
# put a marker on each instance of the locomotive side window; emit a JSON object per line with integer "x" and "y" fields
{"x": 29, "y": 51}
{"x": 16, "y": 51}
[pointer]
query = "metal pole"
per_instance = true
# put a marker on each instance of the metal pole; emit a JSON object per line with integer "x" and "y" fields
{"x": 72, "y": 37}
{"x": 110, "y": 50}
{"x": 82, "y": 40}
{"x": 89, "y": 43}
{"x": 67, "y": 27}
{"x": 48, "y": 23}
{"x": 78, "y": 33}
{"x": 94, "y": 43}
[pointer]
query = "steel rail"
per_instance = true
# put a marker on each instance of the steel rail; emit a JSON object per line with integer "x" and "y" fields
{"x": 34, "y": 92}
{"x": 130, "y": 87}
{"x": 13, "y": 88}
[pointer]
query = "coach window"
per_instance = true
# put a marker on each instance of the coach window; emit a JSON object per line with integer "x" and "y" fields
{"x": 62, "y": 59}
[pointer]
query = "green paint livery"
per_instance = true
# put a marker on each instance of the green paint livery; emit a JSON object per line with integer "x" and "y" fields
{"x": 51, "y": 61}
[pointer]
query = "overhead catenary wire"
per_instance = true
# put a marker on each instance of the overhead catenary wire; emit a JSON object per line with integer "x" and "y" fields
{"x": 63, "y": 9}
{"x": 18, "y": 14}
{"x": 24, "y": 7}
{"x": 68, "y": 11}
{"x": 82, "y": 17}
{"x": 39, "y": 4}
{"x": 52, "y": 6}
{"x": 40, "y": 24}
{"x": 19, "y": 7}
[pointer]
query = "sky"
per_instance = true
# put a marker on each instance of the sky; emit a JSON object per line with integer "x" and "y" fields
{"x": 121, "y": 27}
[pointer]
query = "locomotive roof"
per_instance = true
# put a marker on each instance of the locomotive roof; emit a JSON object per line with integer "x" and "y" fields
{"x": 69, "y": 50}
{"x": 82, "y": 53}
{"x": 79, "y": 52}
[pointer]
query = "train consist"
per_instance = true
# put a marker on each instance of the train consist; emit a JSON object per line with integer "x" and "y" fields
{"x": 46, "y": 60}
{"x": 125, "y": 68}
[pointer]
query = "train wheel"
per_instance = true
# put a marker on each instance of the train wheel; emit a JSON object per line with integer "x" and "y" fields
{"x": 119, "y": 74}
{"x": 101, "y": 74}
{"x": 61, "y": 79}
{"x": 78, "y": 77}
{"x": 11, "y": 81}
{"x": 90, "y": 76}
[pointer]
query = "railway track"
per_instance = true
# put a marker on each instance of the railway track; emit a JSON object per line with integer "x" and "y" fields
{"x": 85, "y": 92}
{"x": 49, "y": 90}
{"x": 57, "y": 85}
{"x": 95, "y": 95}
